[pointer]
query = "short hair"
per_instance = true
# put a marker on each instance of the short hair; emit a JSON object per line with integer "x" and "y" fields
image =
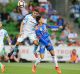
{"x": 38, "y": 18}
{"x": 36, "y": 10}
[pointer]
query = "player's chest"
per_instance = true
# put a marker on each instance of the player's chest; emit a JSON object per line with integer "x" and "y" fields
{"x": 32, "y": 22}
{"x": 43, "y": 29}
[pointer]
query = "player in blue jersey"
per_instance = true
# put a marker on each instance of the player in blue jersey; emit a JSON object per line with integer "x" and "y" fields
{"x": 27, "y": 29}
{"x": 45, "y": 42}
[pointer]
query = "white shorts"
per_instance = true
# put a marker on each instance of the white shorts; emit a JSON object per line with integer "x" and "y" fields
{"x": 31, "y": 36}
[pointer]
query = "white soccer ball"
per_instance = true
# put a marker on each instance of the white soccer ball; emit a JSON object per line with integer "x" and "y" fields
{"x": 21, "y": 3}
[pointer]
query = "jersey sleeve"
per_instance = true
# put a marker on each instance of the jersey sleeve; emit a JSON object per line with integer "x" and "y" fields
{"x": 6, "y": 33}
{"x": 52, "y": 27}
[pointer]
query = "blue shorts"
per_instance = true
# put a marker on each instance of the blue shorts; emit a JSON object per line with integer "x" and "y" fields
{"x": 42, "y": 47}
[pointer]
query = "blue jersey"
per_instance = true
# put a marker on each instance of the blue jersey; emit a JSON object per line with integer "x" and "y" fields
{"x": 43, "y": 34}
{"x": 44, "y": 38}
{"x": 42, "y": 31}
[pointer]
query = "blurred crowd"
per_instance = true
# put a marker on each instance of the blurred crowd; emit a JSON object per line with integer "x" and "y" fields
{"x": 67, "y": 37}
{"x": 75, "y": 11}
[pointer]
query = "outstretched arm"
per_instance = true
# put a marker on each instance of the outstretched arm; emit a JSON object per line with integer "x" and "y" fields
{"x": 53, "y": 27}
{"x": 21, "y": 27}
{"x": 9, "y": 41}
{"x": 23, "y": 22}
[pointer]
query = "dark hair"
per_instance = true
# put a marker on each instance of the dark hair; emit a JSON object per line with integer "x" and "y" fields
{"x": 38, "y": 18}
{"x": 36, "y": 10}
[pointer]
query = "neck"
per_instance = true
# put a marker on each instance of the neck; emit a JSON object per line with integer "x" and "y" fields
{"x": 33, "y": 16}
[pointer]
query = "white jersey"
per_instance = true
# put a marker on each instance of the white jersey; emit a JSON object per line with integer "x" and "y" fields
{"x": 3, "y": 33}
{"x": 29, "y": 24}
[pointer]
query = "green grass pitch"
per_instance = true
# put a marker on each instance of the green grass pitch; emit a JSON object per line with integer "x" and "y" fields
{"x": 42, "y": 68}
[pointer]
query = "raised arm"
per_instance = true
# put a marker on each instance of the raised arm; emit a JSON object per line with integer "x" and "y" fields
{"x": 23, "y": 22}
{"x": 21, "y": 27}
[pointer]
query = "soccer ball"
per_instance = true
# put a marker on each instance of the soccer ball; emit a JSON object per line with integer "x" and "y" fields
{"x": 21, "y": 3}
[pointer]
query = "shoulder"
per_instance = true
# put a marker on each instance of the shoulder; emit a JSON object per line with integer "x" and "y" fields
{"x": 5, "y": 30}
{"x": 44, "y": 25}
{"x": 27, "y": 16}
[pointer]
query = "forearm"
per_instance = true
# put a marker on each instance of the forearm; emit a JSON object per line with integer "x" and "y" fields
{"x": 9, "y": 41}
{"x": 21, "y": 27}
{"x": 52, "y": 26}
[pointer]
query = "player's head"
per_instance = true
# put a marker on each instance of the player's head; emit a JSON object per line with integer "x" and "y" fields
{"x": 35, "y": 13}
{"x": 39, "y": 19}
{"x": 0, "y": 25}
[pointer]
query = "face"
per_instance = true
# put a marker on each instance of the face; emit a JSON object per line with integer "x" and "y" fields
{"x": 35, "y": 14}
{"x": 41, "y": 20}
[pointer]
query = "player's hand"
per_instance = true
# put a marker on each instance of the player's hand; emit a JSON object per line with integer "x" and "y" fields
{"x": 61, "y": 27}
{"x": 10, "y": 45}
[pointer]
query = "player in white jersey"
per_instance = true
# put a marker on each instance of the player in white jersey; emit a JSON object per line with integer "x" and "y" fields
{"x": 3, "y": 34}
{"x": 27, "y": 29}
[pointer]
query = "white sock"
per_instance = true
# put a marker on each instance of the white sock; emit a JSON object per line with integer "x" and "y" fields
{"x": 38, "y": 60}
{"x": 55, "y": 60}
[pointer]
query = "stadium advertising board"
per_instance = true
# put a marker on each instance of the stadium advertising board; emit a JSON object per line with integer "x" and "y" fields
{"x": 63, "y": 53}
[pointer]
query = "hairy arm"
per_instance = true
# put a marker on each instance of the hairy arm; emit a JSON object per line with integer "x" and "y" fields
{"x": 21, "y": 27}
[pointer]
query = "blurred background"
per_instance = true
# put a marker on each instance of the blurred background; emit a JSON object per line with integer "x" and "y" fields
{"x": 55, "y": 12}
{"x": 66, "y": 41}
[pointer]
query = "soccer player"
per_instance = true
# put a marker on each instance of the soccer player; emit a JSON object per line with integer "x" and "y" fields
{"x": 27, "y": 29}
{"x": 3, "y": 34}
{"x": 45, "y": 42}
